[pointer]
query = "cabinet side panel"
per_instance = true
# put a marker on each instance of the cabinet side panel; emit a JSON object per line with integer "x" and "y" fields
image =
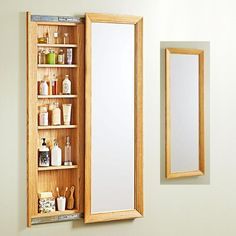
{"x": 81, "y": 109}
{"x": 31, "y": 118}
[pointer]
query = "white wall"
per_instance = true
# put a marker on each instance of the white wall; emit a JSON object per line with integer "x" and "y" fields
{"x": 170, "y": 210}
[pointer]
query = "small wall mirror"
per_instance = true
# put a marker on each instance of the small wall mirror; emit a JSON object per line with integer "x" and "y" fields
{"x": 184, "y": 112}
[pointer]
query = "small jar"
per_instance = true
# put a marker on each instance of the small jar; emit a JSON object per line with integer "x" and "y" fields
{"x": 41, "y": 57}
{"x": 66, "y": 38}
{"x": 56, "y": 114}
{"x": 43, "y": 116}
{"x": 51, "y": 57}
{"x": 61, "y": 57}
{"x": 55, "y": 36}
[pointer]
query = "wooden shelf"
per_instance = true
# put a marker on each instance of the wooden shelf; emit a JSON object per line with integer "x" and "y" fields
{"x": 55, "y": 213}
{"x": 56, "y": 66}
{"x": 57, "y": 45}
{"x": 57, "y": 96}
{"x": 57, "y": 127}
{"x": 57, "y": 168}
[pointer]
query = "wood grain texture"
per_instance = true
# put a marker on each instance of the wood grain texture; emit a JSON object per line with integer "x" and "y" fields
{"x": 201, "y": 171}
{"x": 47, "y": 179}
{"x": 32, "y": 175}
{"x": 138, "y": 125}
{"x": 111, "y": 18}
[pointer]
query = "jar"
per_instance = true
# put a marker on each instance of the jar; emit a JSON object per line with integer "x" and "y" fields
{"x": 66, "y": 38}
{"x": 51, "y": 57}
{"x": 55, "y": 36}
{"x": 41, "y": 57}
{"x": 56, "y": 114}
{"x": 43, "y": 116}
{"x": 61, "y": 57}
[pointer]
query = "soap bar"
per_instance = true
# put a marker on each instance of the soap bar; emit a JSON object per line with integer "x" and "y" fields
{"x": 45, "y": 194}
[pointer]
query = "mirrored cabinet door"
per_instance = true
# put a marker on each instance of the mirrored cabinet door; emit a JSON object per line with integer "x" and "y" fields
{"x": 113, "y": 162}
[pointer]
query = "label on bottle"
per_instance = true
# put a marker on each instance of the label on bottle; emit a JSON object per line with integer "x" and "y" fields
{"x": 44, "y": 159}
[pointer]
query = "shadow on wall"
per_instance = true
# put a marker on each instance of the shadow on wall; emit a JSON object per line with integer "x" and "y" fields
{"x": 22, "y": 198}
{"x": 201, "y": 180}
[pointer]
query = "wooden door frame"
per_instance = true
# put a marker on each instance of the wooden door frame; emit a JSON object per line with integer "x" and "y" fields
{"x": 138, "y": 110}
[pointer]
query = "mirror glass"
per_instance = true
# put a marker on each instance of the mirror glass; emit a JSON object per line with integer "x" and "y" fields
{"x": 184, "y": 112}
{"x": 112, "y": 117}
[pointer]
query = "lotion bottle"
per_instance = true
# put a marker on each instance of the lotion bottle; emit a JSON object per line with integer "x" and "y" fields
{"x": 43, "y": 155}
{"x": 56, "y": 155}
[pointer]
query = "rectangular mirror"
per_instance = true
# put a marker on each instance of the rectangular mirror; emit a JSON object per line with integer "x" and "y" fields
{"x": 113, "y": 164}
{"x": 184, "y": 104}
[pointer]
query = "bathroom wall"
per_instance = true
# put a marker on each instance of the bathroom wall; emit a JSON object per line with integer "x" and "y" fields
{"x": 170, "y": 210}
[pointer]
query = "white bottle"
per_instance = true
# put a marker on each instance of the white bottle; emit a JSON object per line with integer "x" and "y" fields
{"x": 66, "y": 86}
{"x": 43, "y": 88}
{"x": 56, "y": 155}
{"x": 56, "y": 114}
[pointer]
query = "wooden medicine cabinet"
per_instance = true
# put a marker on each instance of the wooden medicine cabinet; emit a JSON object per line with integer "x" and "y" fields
{"x": 105, "y": 127}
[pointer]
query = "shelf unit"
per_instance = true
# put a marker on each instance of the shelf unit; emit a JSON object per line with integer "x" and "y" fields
{"x": 56, "y": 96}
{"x": 56, "y": 66}
{"x": 57, "y": 168}
{"x": 46, "y": 179}
{"x": 47, "y": 45}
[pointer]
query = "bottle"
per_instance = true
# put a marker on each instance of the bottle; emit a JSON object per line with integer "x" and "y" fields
{"x": 40, "y": 57}
{"x": 55, "y": 35}
{"x": 66, "y": 85}
{"x": 67, "y": 161}
{"x": 47, "y": 37}
{"x": 51, "y": 57}
{"x": 56, "y": 155}
{"x": 54, "y": 84}
{"x": 61, "y": 57}
{"x": 43, "y": 88}
{"x": 66, "y": 38}
{"x": 43, "y": 154}
{"x": 56, "y": 114}
{"x": 69, "y": 56}
{"x": 43, "y": 116}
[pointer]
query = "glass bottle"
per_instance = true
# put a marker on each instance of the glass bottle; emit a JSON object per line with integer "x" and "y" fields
{"x": 66, "y": 38}
{"x": 55, "y": 36}
{"x": 47, "y": 37}
{"x": 54, "y": 85}
{"x": 66, "y": 85}
{"x": 61, "y": 57}
{"x": 67, "y": 161}
{"x": 56, "y": 114}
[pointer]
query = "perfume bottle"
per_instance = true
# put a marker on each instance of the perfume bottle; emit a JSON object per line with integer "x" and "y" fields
{"x": 66, "y": 85}
{"x": 67, "y": 161}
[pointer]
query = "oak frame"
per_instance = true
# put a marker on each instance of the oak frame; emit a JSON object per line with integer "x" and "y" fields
{"x": 201, "y": 170}
{"x": 138, "y": 111}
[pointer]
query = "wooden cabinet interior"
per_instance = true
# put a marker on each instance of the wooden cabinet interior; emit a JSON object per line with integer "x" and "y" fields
{"x": 46, "y": 179}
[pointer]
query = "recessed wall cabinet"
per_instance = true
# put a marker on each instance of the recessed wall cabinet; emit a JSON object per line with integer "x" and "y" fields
{"x": 92, "y": 107}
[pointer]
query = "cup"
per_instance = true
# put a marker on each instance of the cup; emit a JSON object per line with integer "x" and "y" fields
{"x": 61, "y": 203}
